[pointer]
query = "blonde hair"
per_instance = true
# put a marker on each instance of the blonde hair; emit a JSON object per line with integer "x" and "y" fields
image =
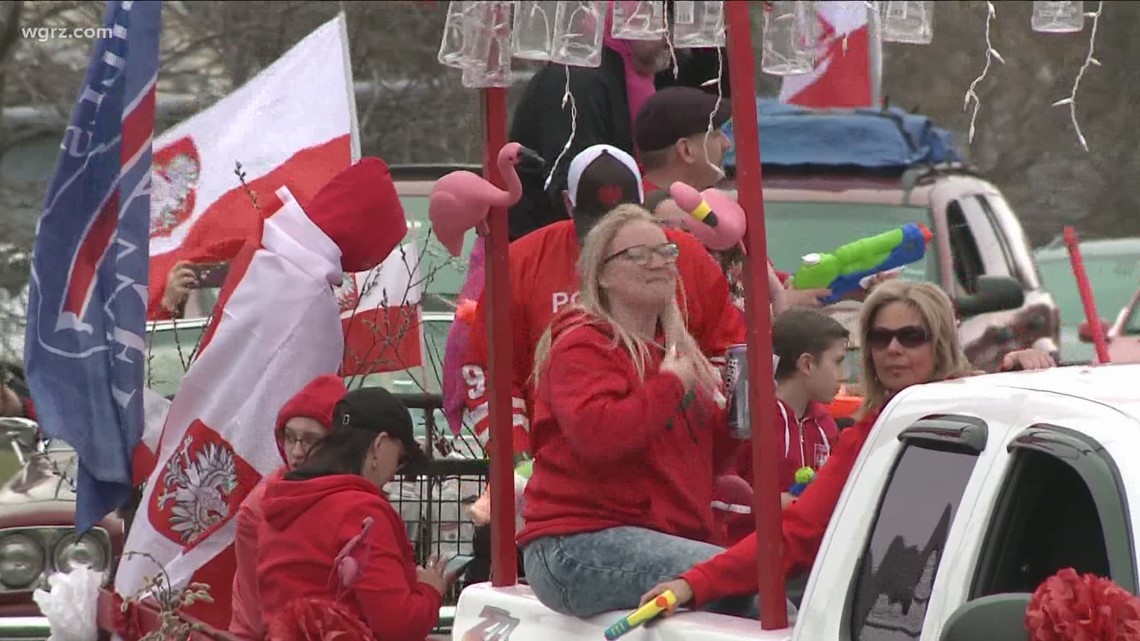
{"x": 593, "y": 302}
{"x": 937, "y": 314}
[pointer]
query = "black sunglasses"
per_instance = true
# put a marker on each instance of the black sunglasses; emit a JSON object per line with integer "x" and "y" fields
{"x": 909, "y": 337}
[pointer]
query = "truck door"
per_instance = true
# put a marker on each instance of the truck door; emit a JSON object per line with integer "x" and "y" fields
{"x": 1060, "y": 504}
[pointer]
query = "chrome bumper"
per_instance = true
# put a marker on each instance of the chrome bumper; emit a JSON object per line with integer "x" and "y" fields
{"x": 24, "y": 628}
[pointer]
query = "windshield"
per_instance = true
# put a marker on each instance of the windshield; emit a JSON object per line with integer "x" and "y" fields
{"x": 443, "y": 275}
{"x": 1113, "y": 278}
{"x": 798, "y": 228}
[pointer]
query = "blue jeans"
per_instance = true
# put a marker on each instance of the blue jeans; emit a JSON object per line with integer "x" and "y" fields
{"x": 586, "y": 574}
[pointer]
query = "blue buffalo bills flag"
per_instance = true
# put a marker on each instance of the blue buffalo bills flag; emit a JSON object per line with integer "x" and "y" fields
{"x": 84, "y": 349}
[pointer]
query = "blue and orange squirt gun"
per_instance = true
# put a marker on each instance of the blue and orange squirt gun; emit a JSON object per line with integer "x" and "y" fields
{"x": 842, "y": 271}
{"x": 659, "y": 604}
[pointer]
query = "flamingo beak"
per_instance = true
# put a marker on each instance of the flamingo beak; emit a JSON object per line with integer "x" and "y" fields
{"x": 530, "y": 157}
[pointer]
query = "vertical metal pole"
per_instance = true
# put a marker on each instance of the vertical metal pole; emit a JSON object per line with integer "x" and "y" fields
{"x": 875, "y": 54}
{"x": 761, "y": 384}
{"x": 504, "y": 569}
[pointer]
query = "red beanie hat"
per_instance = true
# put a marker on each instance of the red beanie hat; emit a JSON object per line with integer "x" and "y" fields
{"x": 317, "y": 400}
{"x": 361, "y": 212}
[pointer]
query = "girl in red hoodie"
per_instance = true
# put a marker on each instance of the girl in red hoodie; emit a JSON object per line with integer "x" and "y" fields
{"x": 628, "y": 430}
{"x": 910, "y": 337}
{"x": 334, "y": 555}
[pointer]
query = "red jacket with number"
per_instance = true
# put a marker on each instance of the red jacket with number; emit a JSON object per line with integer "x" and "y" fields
{"x": 308, "y": 522}
{"x": 544, "y": 279}
{"x": 611, "y": 449}
{"x": 734, "y": 571}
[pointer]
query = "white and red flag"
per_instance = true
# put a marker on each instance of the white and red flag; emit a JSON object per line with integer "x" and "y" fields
{"x": 380, "y": 314}
{"x": 844, "y": 74}
{"x": 293, "y": 124}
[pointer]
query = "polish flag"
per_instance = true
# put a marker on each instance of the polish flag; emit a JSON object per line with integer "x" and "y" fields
{"x": 293, "y": 124}
{"x": 380, "y": 314}
{"x": 842, "y": 76}
{"x": 216, "y": 444}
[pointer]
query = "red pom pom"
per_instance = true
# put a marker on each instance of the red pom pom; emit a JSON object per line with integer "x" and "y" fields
{"x": 1070, "y": 607}
{"x": 317, "y": 619}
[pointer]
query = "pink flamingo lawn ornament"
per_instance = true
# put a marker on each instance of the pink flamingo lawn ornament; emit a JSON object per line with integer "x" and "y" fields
{"x": 712, "y": 215}
{"x": 346, "y": 565}
{"x": 461, "y": 200}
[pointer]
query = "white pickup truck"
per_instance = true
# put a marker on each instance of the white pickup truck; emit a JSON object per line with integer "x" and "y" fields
{"x": 966, "y": 496}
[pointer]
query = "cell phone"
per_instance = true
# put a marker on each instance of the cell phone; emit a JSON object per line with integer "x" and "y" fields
{"x": 457, "y": 564}
{"x": 210, "y": 275}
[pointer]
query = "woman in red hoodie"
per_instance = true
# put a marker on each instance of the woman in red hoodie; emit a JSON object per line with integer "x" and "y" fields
{"x": 301, "y": 423}
{"x": 334, "y": 555}
{"x": 910, "y": 337}
{"x": 628, "y": 430}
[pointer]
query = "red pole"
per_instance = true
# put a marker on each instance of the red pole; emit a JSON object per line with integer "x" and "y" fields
{"x": 1083, "y": 286}
{"x": 504, "y": 570}
{"x": 761, "y": 384}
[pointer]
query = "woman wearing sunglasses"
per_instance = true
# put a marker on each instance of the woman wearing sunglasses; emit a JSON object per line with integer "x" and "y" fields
{"x": 910, "y": 337}
{"x": 334, "y": 558}
{"x": 628, "y": 431}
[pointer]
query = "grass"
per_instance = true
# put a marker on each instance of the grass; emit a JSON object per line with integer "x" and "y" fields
{"x": 9, "y": 465}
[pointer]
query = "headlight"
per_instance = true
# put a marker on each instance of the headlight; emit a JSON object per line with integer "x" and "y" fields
{"x": 87, "y": 550}
{"x": 21, "y": 560}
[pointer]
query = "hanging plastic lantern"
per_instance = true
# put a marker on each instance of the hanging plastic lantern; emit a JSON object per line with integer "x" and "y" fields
{"x": 453, "y": 48}
{"x": 638, "y": 20}
{"x": 789, "y": 38}
{"x": 698, "y": 23}
{"x": 1058, "y": 17}
{"x": 911, "y": 22}
{"x": 494, "y": 70}
{"x": 578, "y": 31}
{"x": 532, "y": 36}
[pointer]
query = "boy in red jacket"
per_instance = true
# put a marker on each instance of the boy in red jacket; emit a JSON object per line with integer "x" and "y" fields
{"x": 810, "y": 347}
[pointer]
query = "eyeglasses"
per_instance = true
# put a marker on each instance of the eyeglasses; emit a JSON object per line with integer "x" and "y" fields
{"x": 641, "y": 254}
{"x": 289, "y": 441}
{"x": 910, "y": 336}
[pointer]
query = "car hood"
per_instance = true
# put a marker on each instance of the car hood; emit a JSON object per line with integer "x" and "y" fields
{"x": 41, "y": 481}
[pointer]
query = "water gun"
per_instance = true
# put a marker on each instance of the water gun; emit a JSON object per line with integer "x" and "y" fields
{"x": 661, "y": 603}
{"x": 804, "y": 476}
{"x": 842, "y": 271}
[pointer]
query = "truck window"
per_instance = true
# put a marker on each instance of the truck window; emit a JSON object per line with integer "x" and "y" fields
{"x": 896, "y": 575}
{"x": 964, "y": 249}
{"x": 1061, "y": 506}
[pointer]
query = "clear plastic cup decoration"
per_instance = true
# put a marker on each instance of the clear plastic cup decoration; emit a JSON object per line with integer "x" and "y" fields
{"x": 578, "y": 30}
{"x": 638, "y": 20}
{"x": 789, "y": 38}
{"x": 494, "y": 69}
{"x": 698, "y": 23}
{"x": 453, "y": 48}
{"x": 1058, "y": 17}
{"x": 911, "y": 22}
{"x": 532, "y": 35}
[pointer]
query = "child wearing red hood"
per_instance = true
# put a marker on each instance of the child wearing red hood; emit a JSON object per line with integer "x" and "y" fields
{"x": 301, "y": 424}
{"x": 334, "y": 558}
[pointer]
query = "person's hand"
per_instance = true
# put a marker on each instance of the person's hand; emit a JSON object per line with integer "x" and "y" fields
{"x": 786, "y": 499}
{"x": 682, "y": 367}
{"x": 432, "y": 574}
{"x": 181, "y": 280}
{"x": 803, "y": 297}
{"x": 1027, "y": 359}
{"x": 681, "y": 589}
{"x": 778, "y": 296}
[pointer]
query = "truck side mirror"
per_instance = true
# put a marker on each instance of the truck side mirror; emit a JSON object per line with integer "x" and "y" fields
{"x": 994, "y": 294}
{"x": 22, "y": 434}
{"x": 1085, "y": 333}
{"x": 999, "y": 617}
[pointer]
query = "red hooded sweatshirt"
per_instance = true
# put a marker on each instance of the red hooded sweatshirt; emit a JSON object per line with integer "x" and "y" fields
{"x": 308, "y": 522}
{"x": 734, "y": 571}
{"x": 612, "y": 450}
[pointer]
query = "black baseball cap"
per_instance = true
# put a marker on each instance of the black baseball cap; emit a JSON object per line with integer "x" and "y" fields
{"x": 378, "y": 410}
{"x": 673, "y": 113}
{"x": 602, "y": 177}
